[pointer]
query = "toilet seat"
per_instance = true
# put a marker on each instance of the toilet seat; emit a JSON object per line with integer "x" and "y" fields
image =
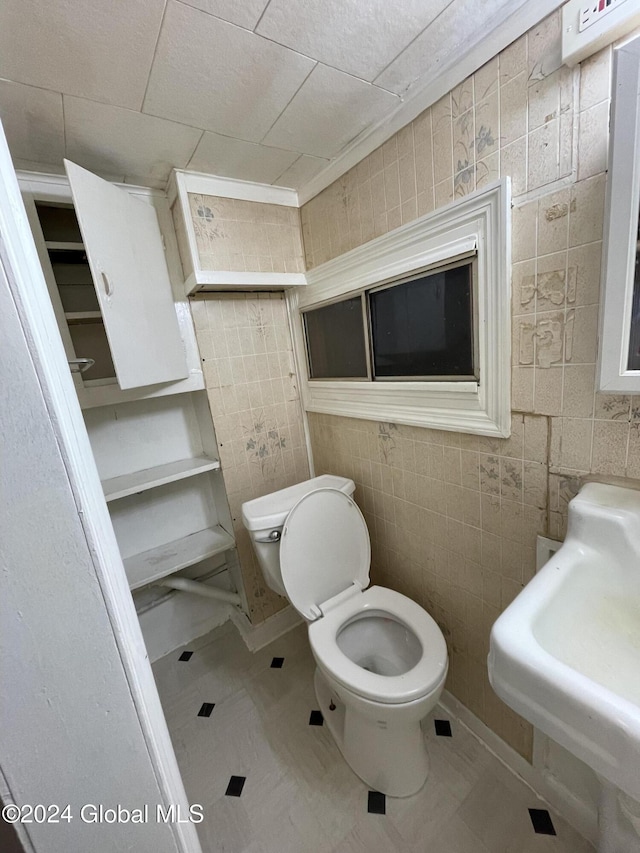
{"x": 324, "y": 550}
{"x": 426, "y": 675}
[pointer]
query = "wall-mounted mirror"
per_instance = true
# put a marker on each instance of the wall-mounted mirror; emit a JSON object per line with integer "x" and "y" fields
{"x": 619, "y": 358}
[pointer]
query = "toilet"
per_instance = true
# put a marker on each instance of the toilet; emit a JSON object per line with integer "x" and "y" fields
{"x": 381, "y": 660}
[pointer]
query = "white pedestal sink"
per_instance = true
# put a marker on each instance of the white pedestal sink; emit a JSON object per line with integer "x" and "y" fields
{"x": 566, "y": 653}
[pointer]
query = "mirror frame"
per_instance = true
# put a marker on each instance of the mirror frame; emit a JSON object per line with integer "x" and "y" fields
{"x": 621, "y": 224}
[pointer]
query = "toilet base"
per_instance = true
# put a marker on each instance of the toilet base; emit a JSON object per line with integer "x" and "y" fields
{"x": 389, "y": 758}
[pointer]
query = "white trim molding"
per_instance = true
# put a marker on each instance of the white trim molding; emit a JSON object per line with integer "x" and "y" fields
{"x": 199, "y": 182}
{"x": 621, "y": 225}
{"x": 481, "y": 221}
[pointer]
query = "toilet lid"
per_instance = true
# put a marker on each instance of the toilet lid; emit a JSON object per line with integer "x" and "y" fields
{"x": 324, "y": 549}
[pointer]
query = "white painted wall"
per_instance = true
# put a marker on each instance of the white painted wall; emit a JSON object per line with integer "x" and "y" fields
{"x": 80, "y": 719}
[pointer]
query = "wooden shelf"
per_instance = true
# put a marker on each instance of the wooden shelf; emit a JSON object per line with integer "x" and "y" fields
{"x": 59, "y": 244}
{"x": 79, "y": 316}
{"x": 159, "y": 562}
{"x": 160, "y": 475}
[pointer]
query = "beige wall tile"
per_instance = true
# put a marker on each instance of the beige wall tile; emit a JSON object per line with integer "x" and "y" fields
{"x": 543, "y": 155}
{"x": 513, "y": 109}
{"x": 454, "y": 518}
{"x": 610, "y": 441}
{"x": 553, "y": 222}
{"x": 578, "y": 390}
{"x": 592, "y": 140}
{"x": 513, "y": 162}
{"x": 586, "y": 213}
{"x": 548, "y": 390}
{"x": 513, "y": 60}
{"x": 524, "y": 232}
{"x": 595, "y": 79}
{"x": 575, "y": 444}
{"x": 486, "y": 79}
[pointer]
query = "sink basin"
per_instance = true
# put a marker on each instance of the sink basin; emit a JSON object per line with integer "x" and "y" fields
{"x": 566, "y": 653}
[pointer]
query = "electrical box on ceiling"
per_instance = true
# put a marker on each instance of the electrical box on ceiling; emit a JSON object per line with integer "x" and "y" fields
{"x": 590, "y": 25}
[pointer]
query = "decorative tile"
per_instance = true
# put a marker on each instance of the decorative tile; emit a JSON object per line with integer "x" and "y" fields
{"x": 443, "y": 728}
{"x": 376, "y": 803}
{"x": 541, "y": 822}
{"x": 235, "y": 786}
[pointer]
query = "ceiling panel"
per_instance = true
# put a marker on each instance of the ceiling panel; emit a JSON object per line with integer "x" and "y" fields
{"x": 234, "y": 158}
{"x": 112, "y": 140}
{"x": 214, "y": 75}
{"x": 361, "y": 38}
{"x": 244, "y": 14}
{"x": 329, "y": 110}
{"x": 88, "y": 48}
{"x": 32, "y": 121}
{"x": 304, "y": 168}
{"x": 457, "y": 29}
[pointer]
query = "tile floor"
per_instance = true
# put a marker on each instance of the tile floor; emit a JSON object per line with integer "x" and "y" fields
{"x": 255, "y": 755}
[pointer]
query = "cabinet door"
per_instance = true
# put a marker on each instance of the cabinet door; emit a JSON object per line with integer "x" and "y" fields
{"x": 124, "y": 247}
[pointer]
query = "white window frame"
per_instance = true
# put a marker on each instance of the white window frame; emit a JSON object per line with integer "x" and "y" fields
{"x": 481, "y": 221}
{"x": 621, "y": 225}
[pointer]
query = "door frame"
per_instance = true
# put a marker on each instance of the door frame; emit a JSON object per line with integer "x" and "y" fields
{"x": 28, "y": 289}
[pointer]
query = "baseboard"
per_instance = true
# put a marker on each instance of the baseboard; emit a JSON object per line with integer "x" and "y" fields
{"x": 258, "y": 636}
{"x": 574, "y": 811}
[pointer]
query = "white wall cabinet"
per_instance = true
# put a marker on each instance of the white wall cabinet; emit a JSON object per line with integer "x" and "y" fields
{"x": 111, "y": 265}
{"x": 115, "y": 281}
{"x": 201, "y": 277}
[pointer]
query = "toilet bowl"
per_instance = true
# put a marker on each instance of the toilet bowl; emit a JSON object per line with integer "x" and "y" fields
{"x": 381, "y": 659}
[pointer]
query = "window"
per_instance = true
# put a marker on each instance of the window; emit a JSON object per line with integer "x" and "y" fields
{"x": 335, "y": 340}
{"x": 415, "y": 326}
{"x": 421, "y": 327}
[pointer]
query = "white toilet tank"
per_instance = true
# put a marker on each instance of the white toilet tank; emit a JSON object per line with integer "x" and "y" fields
{"x": 264, "y": 518}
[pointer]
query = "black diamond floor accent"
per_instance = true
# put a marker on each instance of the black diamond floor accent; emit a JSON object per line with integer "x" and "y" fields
{"x": 206, "y": 709}
{"x": 316, "y": 718}
{"x": 542, "y": 823}
{"x": 443, "y": 728}
{"x": 276, "y": 663}
{"x": 377, "y": 803}
{"x": 235, "y": 786}
{"x": 185, "y": 656}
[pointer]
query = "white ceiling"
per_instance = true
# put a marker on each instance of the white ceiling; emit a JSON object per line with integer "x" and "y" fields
{"x": 272, "y": 91}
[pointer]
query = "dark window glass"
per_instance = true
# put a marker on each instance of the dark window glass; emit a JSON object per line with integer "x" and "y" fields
{"x": 335, "y": 341}
{"x": 424, "y": 327}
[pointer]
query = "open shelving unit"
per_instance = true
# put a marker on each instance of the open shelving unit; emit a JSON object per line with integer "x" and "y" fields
{"x": 116, "y": 289}
{"x": 161, "y": 477}
{"x": 157, "y": 563}
{"x": 139, "y": 481}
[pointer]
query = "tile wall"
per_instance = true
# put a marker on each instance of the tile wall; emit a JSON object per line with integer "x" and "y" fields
{"x": 454, "y": 517}
{"x": 246, "y": 236}
{"x": 245, "y": 345}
